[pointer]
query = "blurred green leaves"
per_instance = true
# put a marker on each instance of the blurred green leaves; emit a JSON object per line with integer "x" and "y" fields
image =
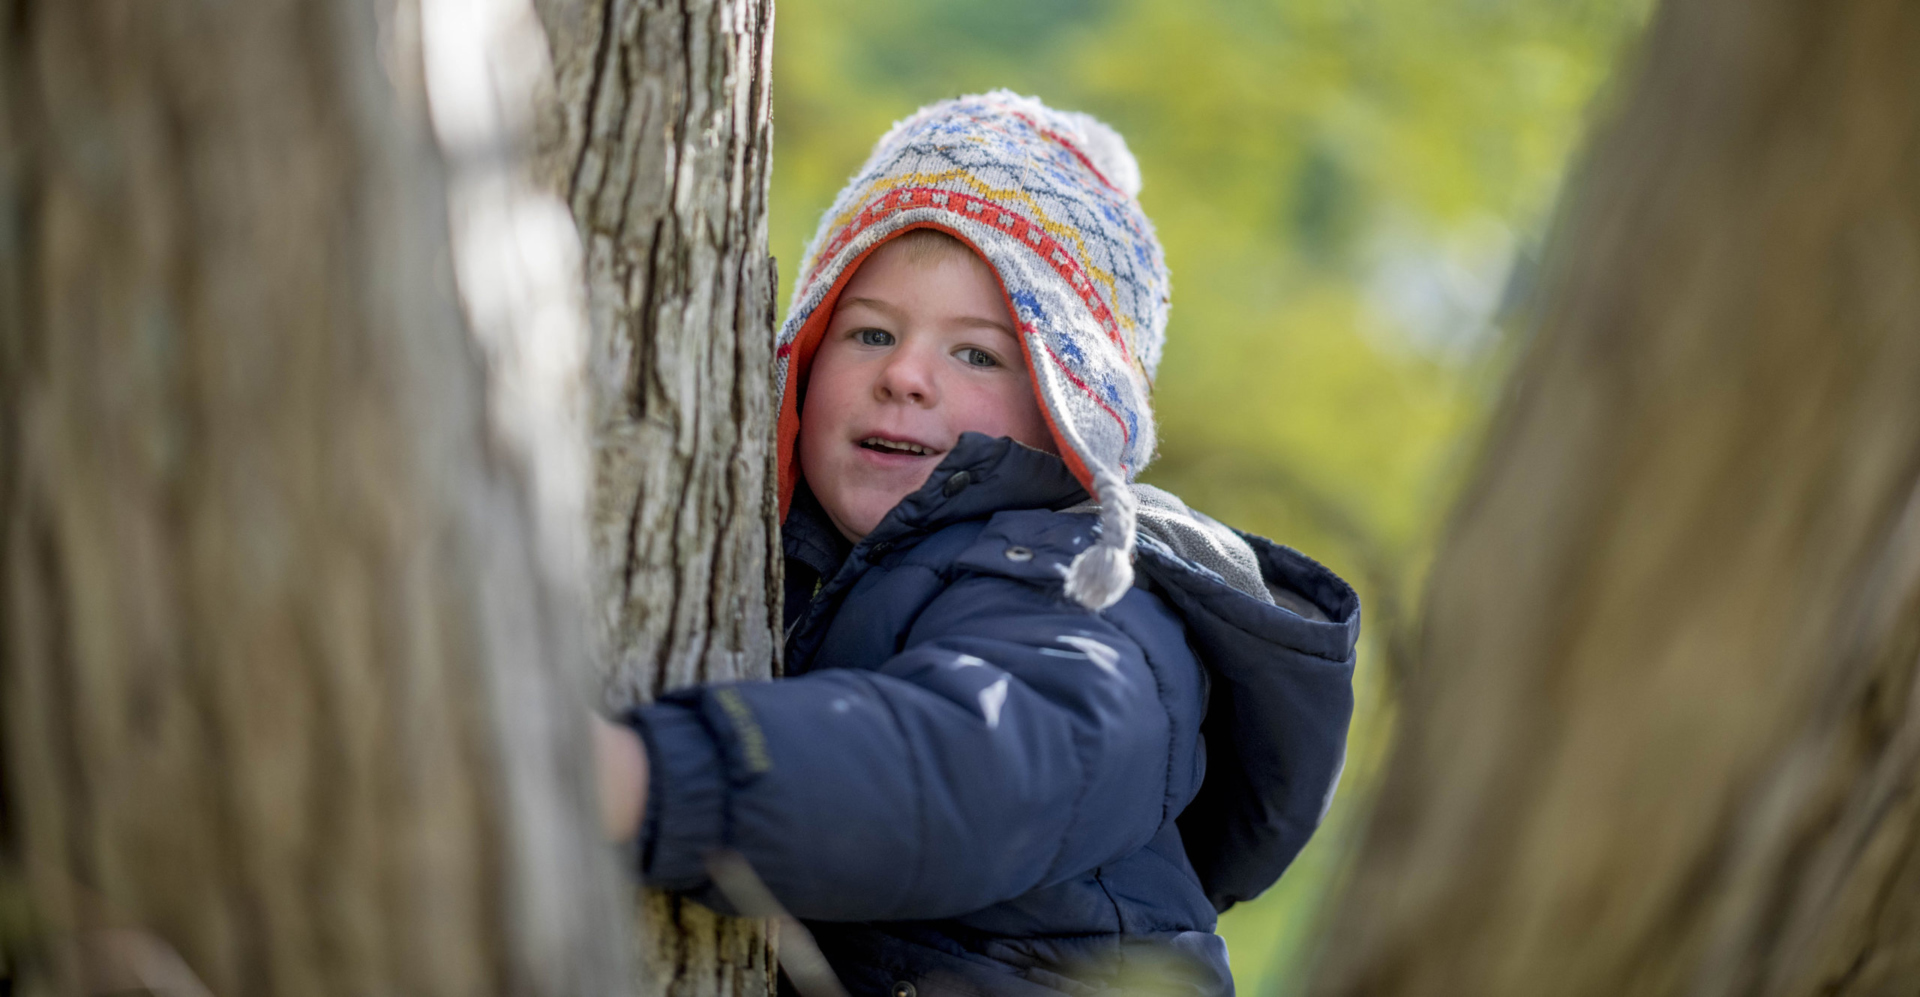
{"x": 1346, "y": 191}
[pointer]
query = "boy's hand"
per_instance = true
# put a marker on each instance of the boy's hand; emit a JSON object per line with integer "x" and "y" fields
{"x": 620, "y": 764}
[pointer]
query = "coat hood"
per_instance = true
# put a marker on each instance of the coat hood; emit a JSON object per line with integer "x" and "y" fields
{"x": 1276, "y": 631}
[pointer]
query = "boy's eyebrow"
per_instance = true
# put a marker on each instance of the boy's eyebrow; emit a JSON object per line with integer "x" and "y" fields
{"x": 970, "y": 321}
{"x": 874, "y": 303}
{"x": 974, "y": 322}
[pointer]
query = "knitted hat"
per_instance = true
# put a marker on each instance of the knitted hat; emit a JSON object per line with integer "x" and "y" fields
{"x": 1048, "y": 199}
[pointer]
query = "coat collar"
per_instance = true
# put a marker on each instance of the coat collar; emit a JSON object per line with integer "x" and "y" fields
{"x": 809, "y": 536}
{"x": 980, "y": 476}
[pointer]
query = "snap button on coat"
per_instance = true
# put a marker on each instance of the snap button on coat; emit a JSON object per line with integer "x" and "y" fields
{"x": 903, "y": 989}
{"x": 1019, "y": 553}
{"x": 956, "y": 483}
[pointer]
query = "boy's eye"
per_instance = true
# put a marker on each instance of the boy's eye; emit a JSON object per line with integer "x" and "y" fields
{"x": 975, "y": 357}
{"x": 874, "y": 337}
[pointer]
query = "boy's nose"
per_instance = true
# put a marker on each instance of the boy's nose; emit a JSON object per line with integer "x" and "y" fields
{"x": 907, "y": 377}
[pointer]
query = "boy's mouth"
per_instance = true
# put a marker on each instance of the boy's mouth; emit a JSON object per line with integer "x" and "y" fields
{"x": 880, "y": 444}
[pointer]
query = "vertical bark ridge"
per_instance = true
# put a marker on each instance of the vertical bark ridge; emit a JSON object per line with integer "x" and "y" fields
{"x": 662, "y": 140}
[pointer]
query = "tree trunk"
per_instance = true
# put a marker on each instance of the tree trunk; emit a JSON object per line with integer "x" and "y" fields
{"x": 290, "y": 670}
{"x": 662, "y": 147}
{"x": 1665, "y": 736}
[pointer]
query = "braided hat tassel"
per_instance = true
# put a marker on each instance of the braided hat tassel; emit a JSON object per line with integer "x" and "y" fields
{"x": 1101, "y": 574}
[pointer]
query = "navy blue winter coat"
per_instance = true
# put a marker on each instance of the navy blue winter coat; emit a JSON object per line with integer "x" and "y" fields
{"x": 971, "y": 785}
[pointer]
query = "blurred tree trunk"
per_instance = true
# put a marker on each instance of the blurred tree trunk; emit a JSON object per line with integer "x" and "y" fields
{"x": 661, "y": 145}
{"x": 290, "y": 674}
{"x": 1665, "y": 735}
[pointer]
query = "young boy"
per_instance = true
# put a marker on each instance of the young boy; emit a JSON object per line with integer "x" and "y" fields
{"x": 1042, "y": 723}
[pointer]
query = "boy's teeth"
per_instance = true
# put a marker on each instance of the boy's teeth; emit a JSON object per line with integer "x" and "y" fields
{"x": 875, "y": 441}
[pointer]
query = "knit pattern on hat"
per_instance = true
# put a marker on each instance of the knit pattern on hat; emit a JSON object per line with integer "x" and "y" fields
{"x": 1049, "y": 200}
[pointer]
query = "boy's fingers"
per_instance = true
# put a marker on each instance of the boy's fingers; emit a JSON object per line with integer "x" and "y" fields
{"x": 620, "y": 763}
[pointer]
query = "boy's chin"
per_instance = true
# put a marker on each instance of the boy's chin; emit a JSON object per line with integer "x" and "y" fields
{"x": 869, "y": 507}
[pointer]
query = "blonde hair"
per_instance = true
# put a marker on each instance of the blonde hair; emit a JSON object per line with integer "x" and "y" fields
{"x": 922, "y": 246}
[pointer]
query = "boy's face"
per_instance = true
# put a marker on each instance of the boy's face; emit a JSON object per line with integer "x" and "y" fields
{"x": 917, "y": 353}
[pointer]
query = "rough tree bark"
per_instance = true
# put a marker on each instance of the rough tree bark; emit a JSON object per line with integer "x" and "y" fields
{"x": 661, "y": 146}
{"x": 290, "y": 675}
{"x": 1665, "y": 735}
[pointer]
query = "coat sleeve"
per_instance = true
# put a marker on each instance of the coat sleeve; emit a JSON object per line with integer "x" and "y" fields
{"x": 1020, "y": 740}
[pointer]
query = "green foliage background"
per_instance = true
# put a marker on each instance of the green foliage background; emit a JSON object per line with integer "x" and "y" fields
{"x": 1349, "y": 192}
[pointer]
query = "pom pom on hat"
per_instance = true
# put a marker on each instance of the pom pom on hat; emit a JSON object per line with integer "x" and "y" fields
{"x": 1108, "y": 152}
{"x": 1049, "y": 200}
